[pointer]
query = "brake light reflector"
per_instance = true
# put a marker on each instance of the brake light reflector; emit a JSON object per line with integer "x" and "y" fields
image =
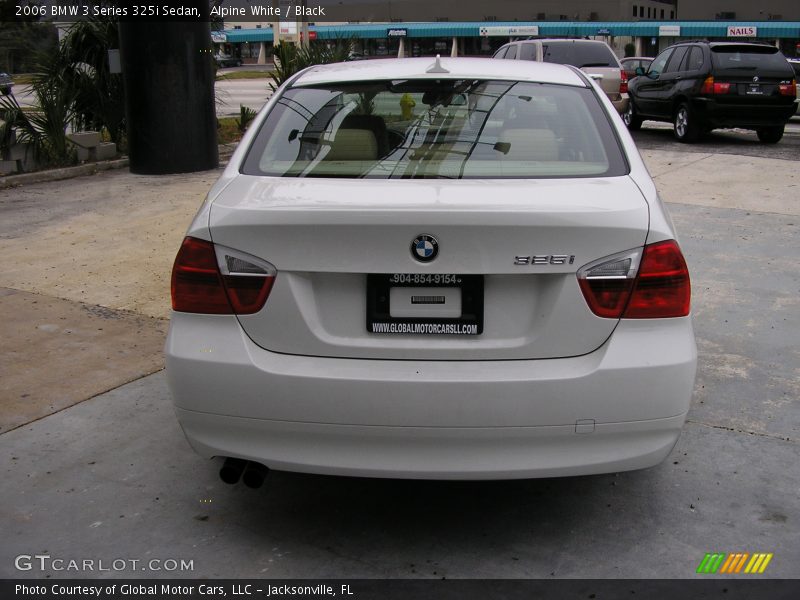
{"x": 662, "y": 286}
{"x": 216, "y": 280}
{"x": 715, "y": 87}
{"x": 623, "y": 82}
{"x": 788, "y": 89}
{"x": 645, "y": 283}
{"x": 196, "y": 283}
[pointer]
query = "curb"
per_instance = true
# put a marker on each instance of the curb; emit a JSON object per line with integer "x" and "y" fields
{"x": 11, "y": 181}
{"x": 57, "y": 174}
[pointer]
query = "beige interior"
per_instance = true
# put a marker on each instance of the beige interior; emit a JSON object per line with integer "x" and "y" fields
{"x": 529, "y": 144}
{"x": 353, "y": 144}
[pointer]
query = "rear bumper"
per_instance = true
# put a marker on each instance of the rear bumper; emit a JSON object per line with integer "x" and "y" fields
{"x": 434, "y": 452}
{"x": 618, "y": 408}
{"x": 746, "y": 116}
{"x": 621, "y": 104}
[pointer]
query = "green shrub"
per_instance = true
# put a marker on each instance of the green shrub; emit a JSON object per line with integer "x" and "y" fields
{"x": 246, "y": 116}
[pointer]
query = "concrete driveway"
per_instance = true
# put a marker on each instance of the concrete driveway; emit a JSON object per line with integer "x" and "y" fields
{"x": 95, "y": 466}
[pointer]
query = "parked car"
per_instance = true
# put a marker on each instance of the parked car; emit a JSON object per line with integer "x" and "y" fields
{"x": 631, "y": 63}
{"x": 6, "y": 84}
{"x": 224, "y": 61}
{"x": 795, "y": 62}
{"x": 699, "y": 86}
{"x": 450, "y": 268}
{"x": 593, "y": 57}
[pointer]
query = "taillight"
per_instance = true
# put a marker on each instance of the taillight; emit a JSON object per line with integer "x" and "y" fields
{"x": 788, "y": 89}
{"x": 623, "y": 82}
{"x": 662, "y": 286}
{"x": 715, "y": 87}
{"x": 217, "y": 280}
{"x": 644, "y": 283}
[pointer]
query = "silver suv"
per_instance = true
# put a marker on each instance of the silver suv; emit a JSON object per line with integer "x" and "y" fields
{"x": 593, "y": 57}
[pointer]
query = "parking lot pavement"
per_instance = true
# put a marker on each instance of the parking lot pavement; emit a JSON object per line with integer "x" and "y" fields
{"x": 112, "y": 477}
{"x": 112, "y": 347}
{"x": 725, "y": 181}
{"x": 109, "y": 239}
{"x": 658, "y": 136}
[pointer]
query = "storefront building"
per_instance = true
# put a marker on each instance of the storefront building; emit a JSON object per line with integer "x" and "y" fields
{"x": 483, "y": 38}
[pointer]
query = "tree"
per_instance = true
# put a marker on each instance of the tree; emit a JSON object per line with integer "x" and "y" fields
{"x": 22, "y": 38}
{"x": 82, "y": 65}
{"x": 290, "y": 59}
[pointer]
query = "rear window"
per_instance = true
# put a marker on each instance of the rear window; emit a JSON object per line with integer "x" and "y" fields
{"x": 579, "y": 54}
{"x": 748, "y": 58}
{"x": 796, "y": 67}
{"x": 452, "y": 129}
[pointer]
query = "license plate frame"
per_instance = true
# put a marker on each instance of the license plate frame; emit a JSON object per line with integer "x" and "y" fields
{"x": 754, "y": 89}
{"x": 380, "y": 321}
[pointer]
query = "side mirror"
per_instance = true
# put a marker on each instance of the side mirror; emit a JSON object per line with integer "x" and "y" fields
{"x": 639, "y": 71}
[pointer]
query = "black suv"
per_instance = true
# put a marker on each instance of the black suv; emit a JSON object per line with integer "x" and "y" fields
{"x": 699, "y": 86}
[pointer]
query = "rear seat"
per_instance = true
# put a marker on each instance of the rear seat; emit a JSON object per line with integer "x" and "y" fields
{"x": 527, "y": 145}
{"x": 353, "y": 144}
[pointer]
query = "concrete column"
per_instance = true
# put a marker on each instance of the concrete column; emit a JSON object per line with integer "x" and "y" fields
{"x": 262, "y": 53}
{"x": 170, "y": 110}
{"x": 454, "y": 47}
{"x": 401, "y": 51}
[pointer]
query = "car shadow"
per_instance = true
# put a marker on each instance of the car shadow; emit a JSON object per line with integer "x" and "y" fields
{"x": 338, "y": 511}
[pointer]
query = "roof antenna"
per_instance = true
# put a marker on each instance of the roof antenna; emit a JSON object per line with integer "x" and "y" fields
{"x": 437, "y": 66}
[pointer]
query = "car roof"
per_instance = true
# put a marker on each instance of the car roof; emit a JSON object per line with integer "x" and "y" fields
{"x": 723, "y": 44}
{"x": 567, "y": 41}
{"x": 455, "y": 68}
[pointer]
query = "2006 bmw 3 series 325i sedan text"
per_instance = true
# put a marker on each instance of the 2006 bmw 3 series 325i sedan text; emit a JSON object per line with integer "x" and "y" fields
{"x": 424, "y": 268}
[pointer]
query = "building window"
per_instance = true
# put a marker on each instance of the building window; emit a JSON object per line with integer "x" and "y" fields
{"x": 662, "y": 13}
{"x": 672, "y": 14}
{"x": 258, "y": 26}
{"x": 237, "y": 26}
{"x": 641, "y": 12}
{"x": 649, "y": 12}
{"x": 634, "y": 10}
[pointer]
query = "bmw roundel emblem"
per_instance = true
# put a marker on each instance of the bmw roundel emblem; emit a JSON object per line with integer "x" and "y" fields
{"x": 424, "y": 248}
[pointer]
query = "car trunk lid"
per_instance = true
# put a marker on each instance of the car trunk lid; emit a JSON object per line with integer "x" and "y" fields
{"x": 328, "y": 238}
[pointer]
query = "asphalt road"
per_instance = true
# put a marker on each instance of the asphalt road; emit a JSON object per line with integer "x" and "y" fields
{"x": 232, "y": 93}
{"x": 113, "y": 477}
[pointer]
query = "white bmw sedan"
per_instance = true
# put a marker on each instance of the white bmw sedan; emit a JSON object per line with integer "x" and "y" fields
{"x": 424, "y": 268}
